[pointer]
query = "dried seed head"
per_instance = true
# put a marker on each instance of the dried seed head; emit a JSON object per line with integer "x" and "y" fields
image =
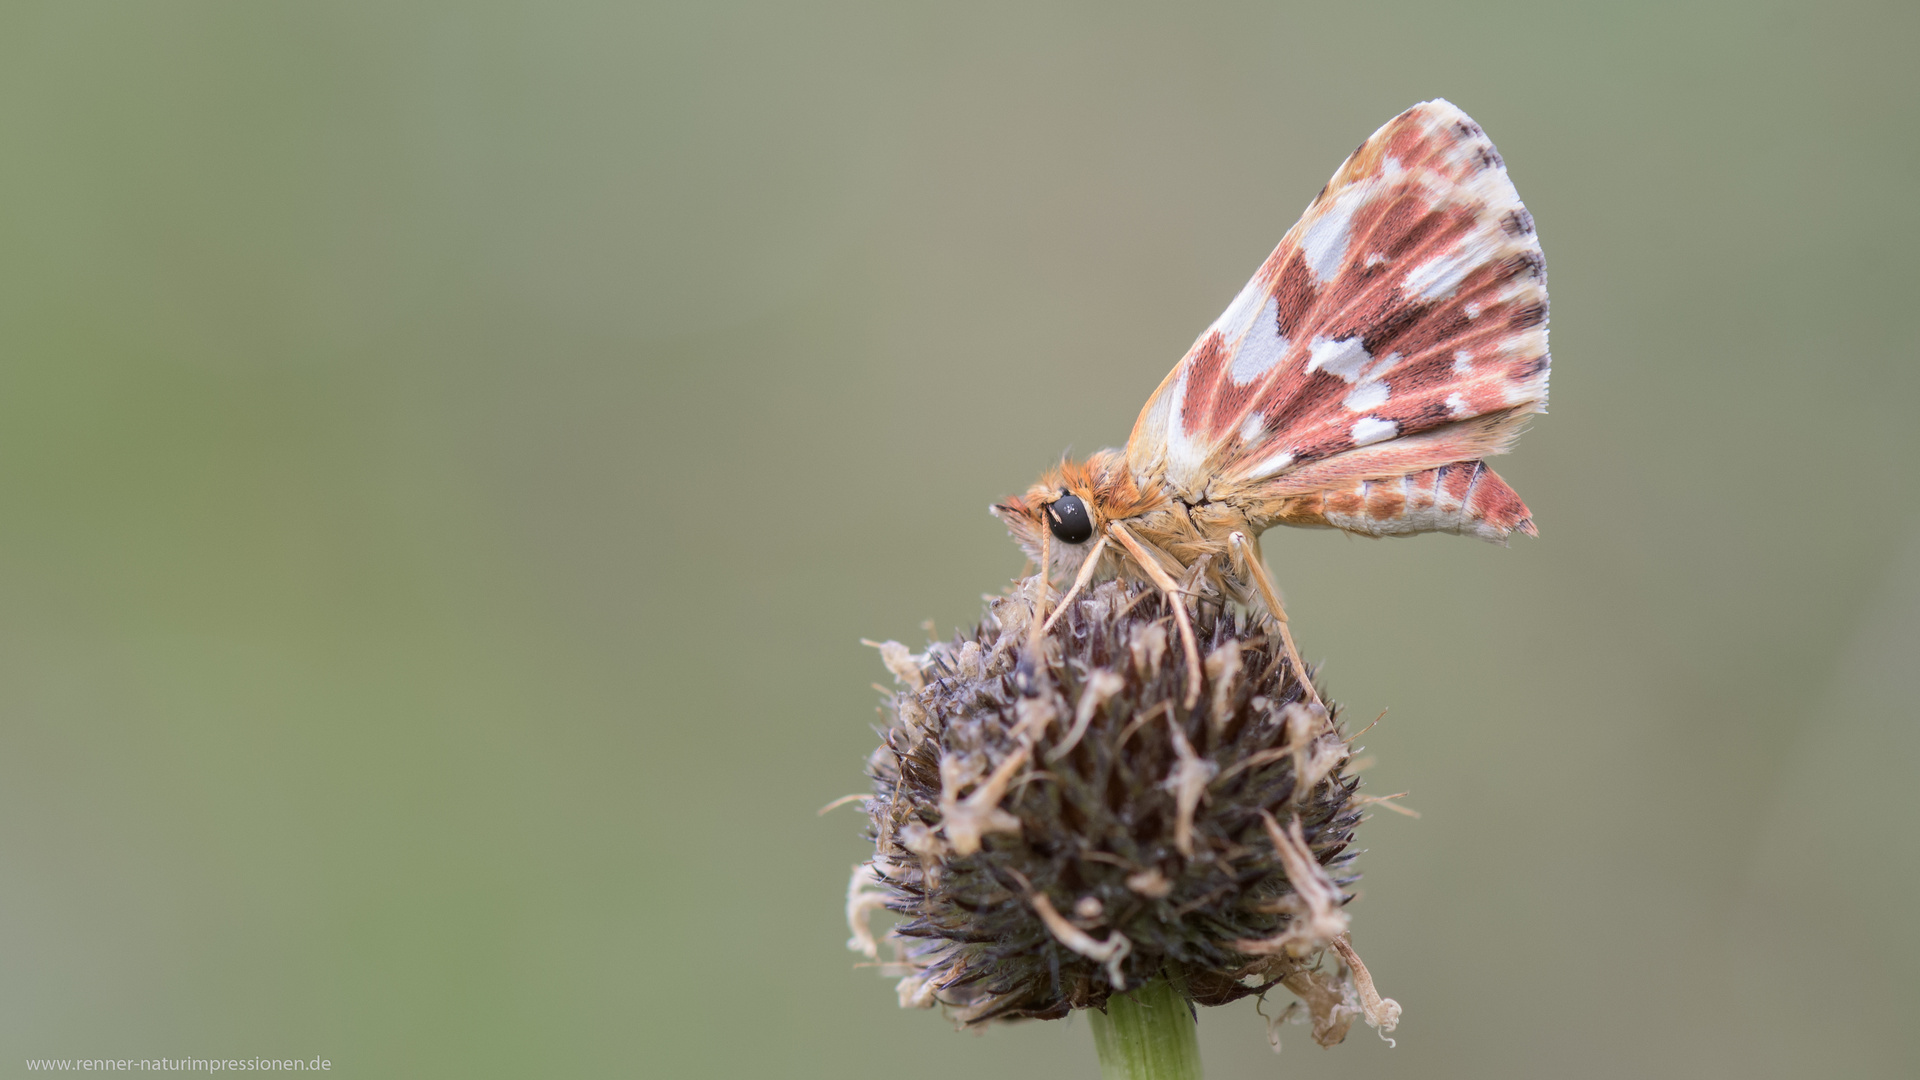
{"x": 1053, "y": 826}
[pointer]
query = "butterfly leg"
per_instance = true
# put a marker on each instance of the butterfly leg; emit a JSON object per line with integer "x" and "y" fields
{"x": 1257, "y": 570}
{"x": 1172, "y": 589}
{"x": 1086, "y": 574}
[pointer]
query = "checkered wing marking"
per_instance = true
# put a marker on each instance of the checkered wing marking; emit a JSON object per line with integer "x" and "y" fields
{"x": 1405, "y": 313}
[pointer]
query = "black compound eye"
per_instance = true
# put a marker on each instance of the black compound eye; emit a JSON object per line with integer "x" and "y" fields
{"x": 1068, "y": 518}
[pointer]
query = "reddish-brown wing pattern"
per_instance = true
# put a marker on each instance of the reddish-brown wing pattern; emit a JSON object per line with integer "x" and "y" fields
{"x": 1464, "y": 497}
{"x": 1399, "y": 327}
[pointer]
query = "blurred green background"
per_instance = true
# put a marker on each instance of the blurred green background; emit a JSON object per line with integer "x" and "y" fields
{"x": 449, "y": 454}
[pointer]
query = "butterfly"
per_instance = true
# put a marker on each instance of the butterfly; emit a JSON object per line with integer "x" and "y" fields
{"x": 1394, "y": 340}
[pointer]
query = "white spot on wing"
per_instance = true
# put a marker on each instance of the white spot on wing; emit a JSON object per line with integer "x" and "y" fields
{"x": 1463, "y": 362}
{"x": 1371, "y": 429}
{"x": 1456, "y": 404}
{"x": 1518, "y": 393}
{"x": 1186, "y": 456}
{"x": 1253, "y": 427}
{"x": 1346, "y": 357}
{"x": 1325, "y": 243}
{"x": 1367, "y": 397}
{"x": 1262, "y": 348}
{"x": 1270, "y": 466}
{"x": 1440, "y": 275}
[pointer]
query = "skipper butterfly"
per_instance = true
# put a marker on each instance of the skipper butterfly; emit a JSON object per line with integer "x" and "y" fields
{"x": 1394, "y": 340}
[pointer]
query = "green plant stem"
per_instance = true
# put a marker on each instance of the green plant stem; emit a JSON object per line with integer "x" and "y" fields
{"x": 1147, "y": 1035}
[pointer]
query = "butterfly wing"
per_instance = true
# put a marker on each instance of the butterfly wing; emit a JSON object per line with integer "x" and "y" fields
{"x": 1400, "y": 326}
{"x": 1463, "y": 497}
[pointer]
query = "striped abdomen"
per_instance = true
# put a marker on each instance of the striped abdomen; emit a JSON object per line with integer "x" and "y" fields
{"x": 1466, "y": 498}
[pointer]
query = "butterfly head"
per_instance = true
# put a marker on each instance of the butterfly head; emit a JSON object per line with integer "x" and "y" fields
{"x": 1054, "y": 515}
{"x": 1070, "y": 507}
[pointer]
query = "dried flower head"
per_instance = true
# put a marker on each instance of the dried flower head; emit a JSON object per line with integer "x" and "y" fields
{"x": 1054, "y": 826}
